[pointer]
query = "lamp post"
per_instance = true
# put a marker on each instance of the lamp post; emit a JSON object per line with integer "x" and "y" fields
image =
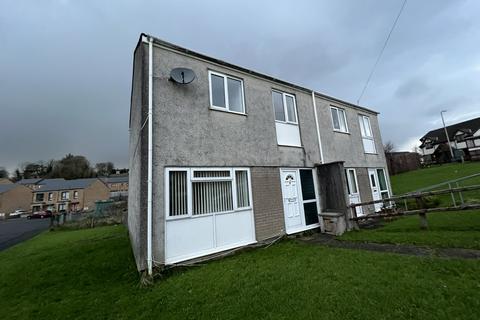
{"x": 446, "y": 133}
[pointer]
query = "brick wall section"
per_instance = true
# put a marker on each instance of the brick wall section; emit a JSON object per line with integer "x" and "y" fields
{"x": 267, "y": 202}
{"x": 95, "y": 192}
{"x": 17, "y": 198}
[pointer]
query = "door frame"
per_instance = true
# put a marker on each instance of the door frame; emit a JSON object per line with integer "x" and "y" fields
{"x": 358, "y": 209}
{"x": 379, "y": 206}
{"x": 304, "y": 227}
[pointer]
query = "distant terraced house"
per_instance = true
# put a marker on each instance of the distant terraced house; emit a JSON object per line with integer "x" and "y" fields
{"x": 118, "y": 185}
{"x": 68, "y": 195}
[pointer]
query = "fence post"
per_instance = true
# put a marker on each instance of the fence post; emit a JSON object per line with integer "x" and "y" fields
{"x": 354, "y": 215}
{"x": 453, "y": 196}
{"x": 460, "y": 194}
{"x": 422, "y": 215}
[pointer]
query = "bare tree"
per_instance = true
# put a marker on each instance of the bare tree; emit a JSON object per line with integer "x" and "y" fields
{"x": 389, "y": 147}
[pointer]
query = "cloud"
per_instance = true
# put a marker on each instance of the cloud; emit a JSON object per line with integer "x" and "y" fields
{"x": 65, "y": 66}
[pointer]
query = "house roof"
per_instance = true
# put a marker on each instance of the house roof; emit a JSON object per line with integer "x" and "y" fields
{"x": 115, "y": 179}
{"x": 439, "y": 136}
{"x": 61, "y": 184}
{"x": 29, "y": 181}
{"x": 189, "y": 52}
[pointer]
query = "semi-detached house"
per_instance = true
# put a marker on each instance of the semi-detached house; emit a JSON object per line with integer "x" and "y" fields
{"x": 237, "y": 157}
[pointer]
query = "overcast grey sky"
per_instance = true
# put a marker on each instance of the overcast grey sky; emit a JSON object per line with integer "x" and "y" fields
{"x": 65, "y": 65}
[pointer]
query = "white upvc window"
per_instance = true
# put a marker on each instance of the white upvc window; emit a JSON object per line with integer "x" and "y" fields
{"x": 192, "y": 192}
{"x": 284, "y": 107}
{"x": 226, "y": 93}
{"x": 339, "y": 119}
{"x": 367, "y": 134}
{"x": 65, "y": 195}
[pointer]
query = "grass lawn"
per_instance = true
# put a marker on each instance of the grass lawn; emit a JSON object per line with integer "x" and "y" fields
{"x": 414, "y": 180}
{"x": 446, "y": 229}
{"x": 90, "y": 274}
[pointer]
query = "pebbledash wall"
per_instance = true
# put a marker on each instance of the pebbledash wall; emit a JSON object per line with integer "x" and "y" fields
{"x": 188, "y": 133}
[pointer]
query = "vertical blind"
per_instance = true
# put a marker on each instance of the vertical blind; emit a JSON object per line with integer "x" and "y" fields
{"x": 211, "y": 196}
{"x": 178, "y": 193}
{"x": 241, "y": 179}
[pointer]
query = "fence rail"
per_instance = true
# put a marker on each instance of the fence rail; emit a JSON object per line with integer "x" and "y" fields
{"x": 392, "y": 210}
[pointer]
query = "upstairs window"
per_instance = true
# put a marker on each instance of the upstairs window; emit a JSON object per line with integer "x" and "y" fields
{"x": 226, "y": 93}
{"x": 65, "y": 195}
{"x": 367, "y": 134}
{"x": 339, "y": 119}
{"x": 284, "y": 107}
{"x": 39, "y": 197}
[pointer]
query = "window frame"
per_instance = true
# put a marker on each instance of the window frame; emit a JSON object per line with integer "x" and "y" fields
{"x": 191, "y": 179}
{"x": 371, "y": 137}
{"x": 225, "y": 92}
{"x": 67, "y": 195}
{"x": 332, "y": 107}
{"x": 349, "y": 182}
{"x": 75, "y": 194}
{"x": 284, "y": 101}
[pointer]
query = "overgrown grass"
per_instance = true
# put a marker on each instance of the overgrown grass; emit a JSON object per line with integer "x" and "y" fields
{"x": 90, "y": 274}
{"x": 446, "y": 229}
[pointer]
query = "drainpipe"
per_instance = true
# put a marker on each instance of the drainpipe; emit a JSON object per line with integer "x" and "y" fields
{"x": 150, "y": 151}
{"x": 317, "y": 127}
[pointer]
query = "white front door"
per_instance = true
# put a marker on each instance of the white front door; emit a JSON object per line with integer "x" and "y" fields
{"x": 372, "y": 174}
{"x": 353, "y": 193}
{"x": 291, "y": 203}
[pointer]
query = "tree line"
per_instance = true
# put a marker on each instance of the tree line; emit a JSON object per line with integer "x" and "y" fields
{"x": 69, "y": 167}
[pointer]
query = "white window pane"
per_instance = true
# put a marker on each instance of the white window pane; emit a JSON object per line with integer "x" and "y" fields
{"x": 353, "y": 181}
{"x": 290, "y": 109}
{"x": 235, "y": 100}
{"x": 341, "y": 118}
{"x": 362, "y": 125}
{"x": 382, "y": 180}
{"x": 278, "y": 106}
{"x": 336, "y": 122}
{"x": 368, "y": 130}
{"x": 218, "y": 91}
{"x": 241, "y": 178}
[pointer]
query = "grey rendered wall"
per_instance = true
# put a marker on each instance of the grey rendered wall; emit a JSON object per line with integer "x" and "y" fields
{"x": 348, "y": 147}
{"x": 137, "y": 164}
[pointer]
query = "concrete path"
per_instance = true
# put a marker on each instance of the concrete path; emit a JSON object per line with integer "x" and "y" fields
{"x": 14, "y": 231}
{"x": 407, "y": 249}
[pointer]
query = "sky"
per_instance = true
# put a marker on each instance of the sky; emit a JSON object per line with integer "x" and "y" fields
{"x": 66, "y": 65}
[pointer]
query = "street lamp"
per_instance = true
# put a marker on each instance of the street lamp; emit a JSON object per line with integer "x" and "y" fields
{"x": 446, "y": 133}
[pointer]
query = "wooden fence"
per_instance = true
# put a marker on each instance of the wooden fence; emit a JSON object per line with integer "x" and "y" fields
{"x": 392, "y": 210}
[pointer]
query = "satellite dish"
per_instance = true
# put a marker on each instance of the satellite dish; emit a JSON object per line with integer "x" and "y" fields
{"x": 182, "y": 75}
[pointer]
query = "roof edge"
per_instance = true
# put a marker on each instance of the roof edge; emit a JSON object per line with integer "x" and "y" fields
{"x": 186, "y": 51}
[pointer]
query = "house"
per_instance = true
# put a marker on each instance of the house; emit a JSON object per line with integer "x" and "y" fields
{"x": 13, "y": 197}
{"x": 30, "y": 183}
{"x": 117, "y": 184}
{"x": 236, "y": 157}
{"x": 5, "y": 181}
{"x": 69, "y": 195}
{"x": 463, "y": 136}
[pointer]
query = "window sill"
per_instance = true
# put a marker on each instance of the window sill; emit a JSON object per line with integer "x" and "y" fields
{"x": 227, "y": 111}
{"x": 339, "y": 131}
{"x": 287, "y": 122}
{"x": 372, "y": 153}
{"x": 289, "y": 145}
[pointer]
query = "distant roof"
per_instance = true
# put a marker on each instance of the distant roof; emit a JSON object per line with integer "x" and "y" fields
{"x": 115, "y": 179}
{"x": 175, "y": 47}
{"x": 29, "y": 181}
{"x": 61, "y": 184}
{"x": 7, "y": 187}
{"x": 471, "y": 125}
